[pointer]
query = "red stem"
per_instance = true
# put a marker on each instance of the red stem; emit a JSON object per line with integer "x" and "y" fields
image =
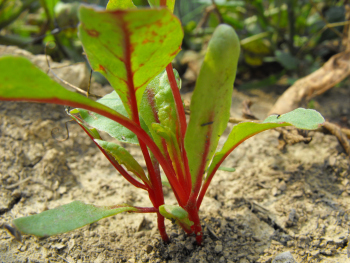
{"x": 127, "y": 123}
{"x": 192, "y": 210}
{"x": 161, "y": 228}
{"x": 179, "y": 167}
{"x": 117, "y": 166}
{"x": 150, "y": 98}
{"x": 154, "y": 178}
{"x": 211, "y": 175}
{"x": 201, "y": 170}
{"x": 145, "y": 210}
{"x": 178, "y": 101}
{"x": 180, "y": 112}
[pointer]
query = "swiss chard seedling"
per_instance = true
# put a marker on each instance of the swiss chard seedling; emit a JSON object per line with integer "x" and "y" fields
{"x": 133, "y": 48}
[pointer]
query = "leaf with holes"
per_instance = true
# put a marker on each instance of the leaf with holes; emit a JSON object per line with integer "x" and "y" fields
{"x": 129, "y": 47}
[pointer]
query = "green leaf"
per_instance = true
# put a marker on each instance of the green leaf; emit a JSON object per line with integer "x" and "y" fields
{"x": 123, "y": 157}
{"x": 255, "y": 48}
{"x": 114, "y": 129}
{"x": 66, "y": 218}
{"x": 36, "y": 86}
{"x": 299, "y": 118}
{"x": 33, "y": 85}
{"x": 49, "y": 5}
{"x": 286, "y": 60}
{"x": 129, "y": 47}
{"x": 11, "y": 10}
{"x": 158, "y": 105}
{"x": 170, "y": 4}
{"x": 211, "y": 100}
{"x": 176, "y": 214}
{"x": 227, "y": 169}
{"x": 120, "y": 4}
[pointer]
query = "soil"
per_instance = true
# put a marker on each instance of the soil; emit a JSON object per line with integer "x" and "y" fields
{"x": 295, "y": 200}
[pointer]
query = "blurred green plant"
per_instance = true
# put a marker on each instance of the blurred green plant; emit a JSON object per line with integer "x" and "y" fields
{"x": 293, "y": 36}
{"x": 286, "y": 32}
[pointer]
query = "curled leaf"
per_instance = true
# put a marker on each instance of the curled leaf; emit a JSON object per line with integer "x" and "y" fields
{"x": 176, "y": 214}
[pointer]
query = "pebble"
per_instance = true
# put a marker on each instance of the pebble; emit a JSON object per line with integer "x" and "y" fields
{"x": 282, "y": 186}
{"x": 218, "y": 248}
{"x": 315, "y": 253}
{"x": 285, "y": 257}
{"x": 148, "y": 249}
{"x": 189, "y": 246}
{"x": 275, "y": 191}
{"x": 58, "y": 246}
{"x": 139, "y": 234}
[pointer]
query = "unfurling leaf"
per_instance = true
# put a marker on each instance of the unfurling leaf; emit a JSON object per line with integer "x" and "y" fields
{"x": 176, "y": 214}
{"x": 158, "y": 105}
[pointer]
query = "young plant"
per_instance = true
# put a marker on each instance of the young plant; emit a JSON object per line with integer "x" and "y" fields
{"x": 133, "y": 48}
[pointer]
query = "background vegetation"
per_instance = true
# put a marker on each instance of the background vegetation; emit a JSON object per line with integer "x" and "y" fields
{"x": 279, "y": 38}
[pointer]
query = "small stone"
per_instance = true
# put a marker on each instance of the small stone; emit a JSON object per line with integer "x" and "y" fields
{"x": 332, "y": 161}
{"x": 16, "y": 193}
{"x": 345, "y": 182}
{"x": 316, "y": 243}
{"x": 274, "y": 191}
{"x": 62, "y": 189}
{"x": 222, "y": 260}
{"x": 58, "y": 246}
{"x": 218, "y": 248}
{"x": 297, "y": 194}
{"x": 285, "y": 257}
{"x": 327, "y": 252}
{"x": 148, "y": 249}
{"x": 172, "y": 247}
{"x": 282, "y": 186}
{"x": 290, "y": 243}
{"x": 23, "y": 248}
{"x": 139, "y": 234}
{"x": 315, "y": 253}
{"x": 189, "y": 246}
